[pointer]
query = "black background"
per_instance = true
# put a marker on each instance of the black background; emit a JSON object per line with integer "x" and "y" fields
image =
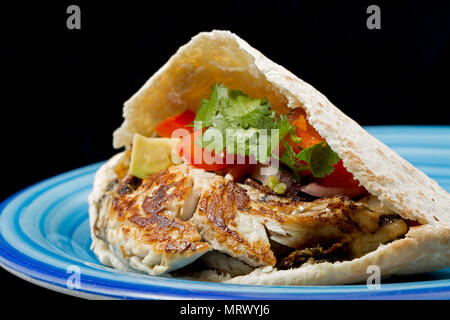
{"x": 64, "y": 89}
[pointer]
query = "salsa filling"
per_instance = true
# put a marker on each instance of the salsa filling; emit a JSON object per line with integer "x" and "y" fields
{"x": 237, "y": 135}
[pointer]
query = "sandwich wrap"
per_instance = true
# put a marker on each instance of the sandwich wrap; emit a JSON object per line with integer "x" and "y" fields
{"x": 221, "y": 56}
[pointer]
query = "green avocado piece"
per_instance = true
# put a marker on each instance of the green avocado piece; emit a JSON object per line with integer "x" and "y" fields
{"x": 151, "y": 155}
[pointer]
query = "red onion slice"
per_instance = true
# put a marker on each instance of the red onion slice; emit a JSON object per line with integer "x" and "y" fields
{"x": 318, "y": 190}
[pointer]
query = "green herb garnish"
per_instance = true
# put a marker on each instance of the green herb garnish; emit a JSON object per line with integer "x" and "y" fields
{"x": 239, "y": 124}
{"x": 319, "y": 159}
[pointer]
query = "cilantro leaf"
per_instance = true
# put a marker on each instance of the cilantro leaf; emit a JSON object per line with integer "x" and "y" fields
{"x": 249, "y": 112}
{"x": 320, "y": 159}
{"x": 288, "y": 157}
{"x": 248, "y": 117}
{"x": 239, "y": 124}
{"x": 285, "y": 127}
{"x": 209, "y": 108}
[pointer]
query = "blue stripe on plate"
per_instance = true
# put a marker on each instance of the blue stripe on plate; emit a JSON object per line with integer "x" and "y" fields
{"x": 45, "y": 228}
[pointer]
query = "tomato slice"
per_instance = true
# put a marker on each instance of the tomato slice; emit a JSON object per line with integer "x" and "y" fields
{"x": 340, "y": 177}
{"x": 167, "y": 127}
{"x": 201, "y": 157}
{"x": 304, "y": 130}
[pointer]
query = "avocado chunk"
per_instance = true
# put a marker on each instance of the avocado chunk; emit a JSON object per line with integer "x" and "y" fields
{"x": 150, "y": 155}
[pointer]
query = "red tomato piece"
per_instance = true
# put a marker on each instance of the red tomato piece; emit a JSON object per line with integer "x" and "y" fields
{"x": 340, "y": 177}
{"x": 201, "y": 157}
{"x": 167, "y": 127}
{"x": 304, "y": 130}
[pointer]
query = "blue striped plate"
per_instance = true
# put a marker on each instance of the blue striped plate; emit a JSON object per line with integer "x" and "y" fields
{"x": 44, "y": 238}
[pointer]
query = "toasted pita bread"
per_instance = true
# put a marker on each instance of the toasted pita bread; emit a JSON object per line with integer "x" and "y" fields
{"x": 223, "y": 57}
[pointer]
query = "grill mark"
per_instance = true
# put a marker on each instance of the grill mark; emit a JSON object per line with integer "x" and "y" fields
{"x": 220, "y": 210}
{"x": 161, "y": 222}
{"x": 128, "y": 185}
{"x": 171, "y": 234}
{"x": 219, "y": 206}
{"x": 154, "y": 204}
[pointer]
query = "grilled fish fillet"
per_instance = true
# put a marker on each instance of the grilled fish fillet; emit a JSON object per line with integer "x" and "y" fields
{"x": 241, "y": 220}
{"x": 174, "y": 217}
{"x": 145, "y": 227}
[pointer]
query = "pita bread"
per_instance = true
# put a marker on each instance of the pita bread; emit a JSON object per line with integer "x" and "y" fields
{"x": 223, "y": 57}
